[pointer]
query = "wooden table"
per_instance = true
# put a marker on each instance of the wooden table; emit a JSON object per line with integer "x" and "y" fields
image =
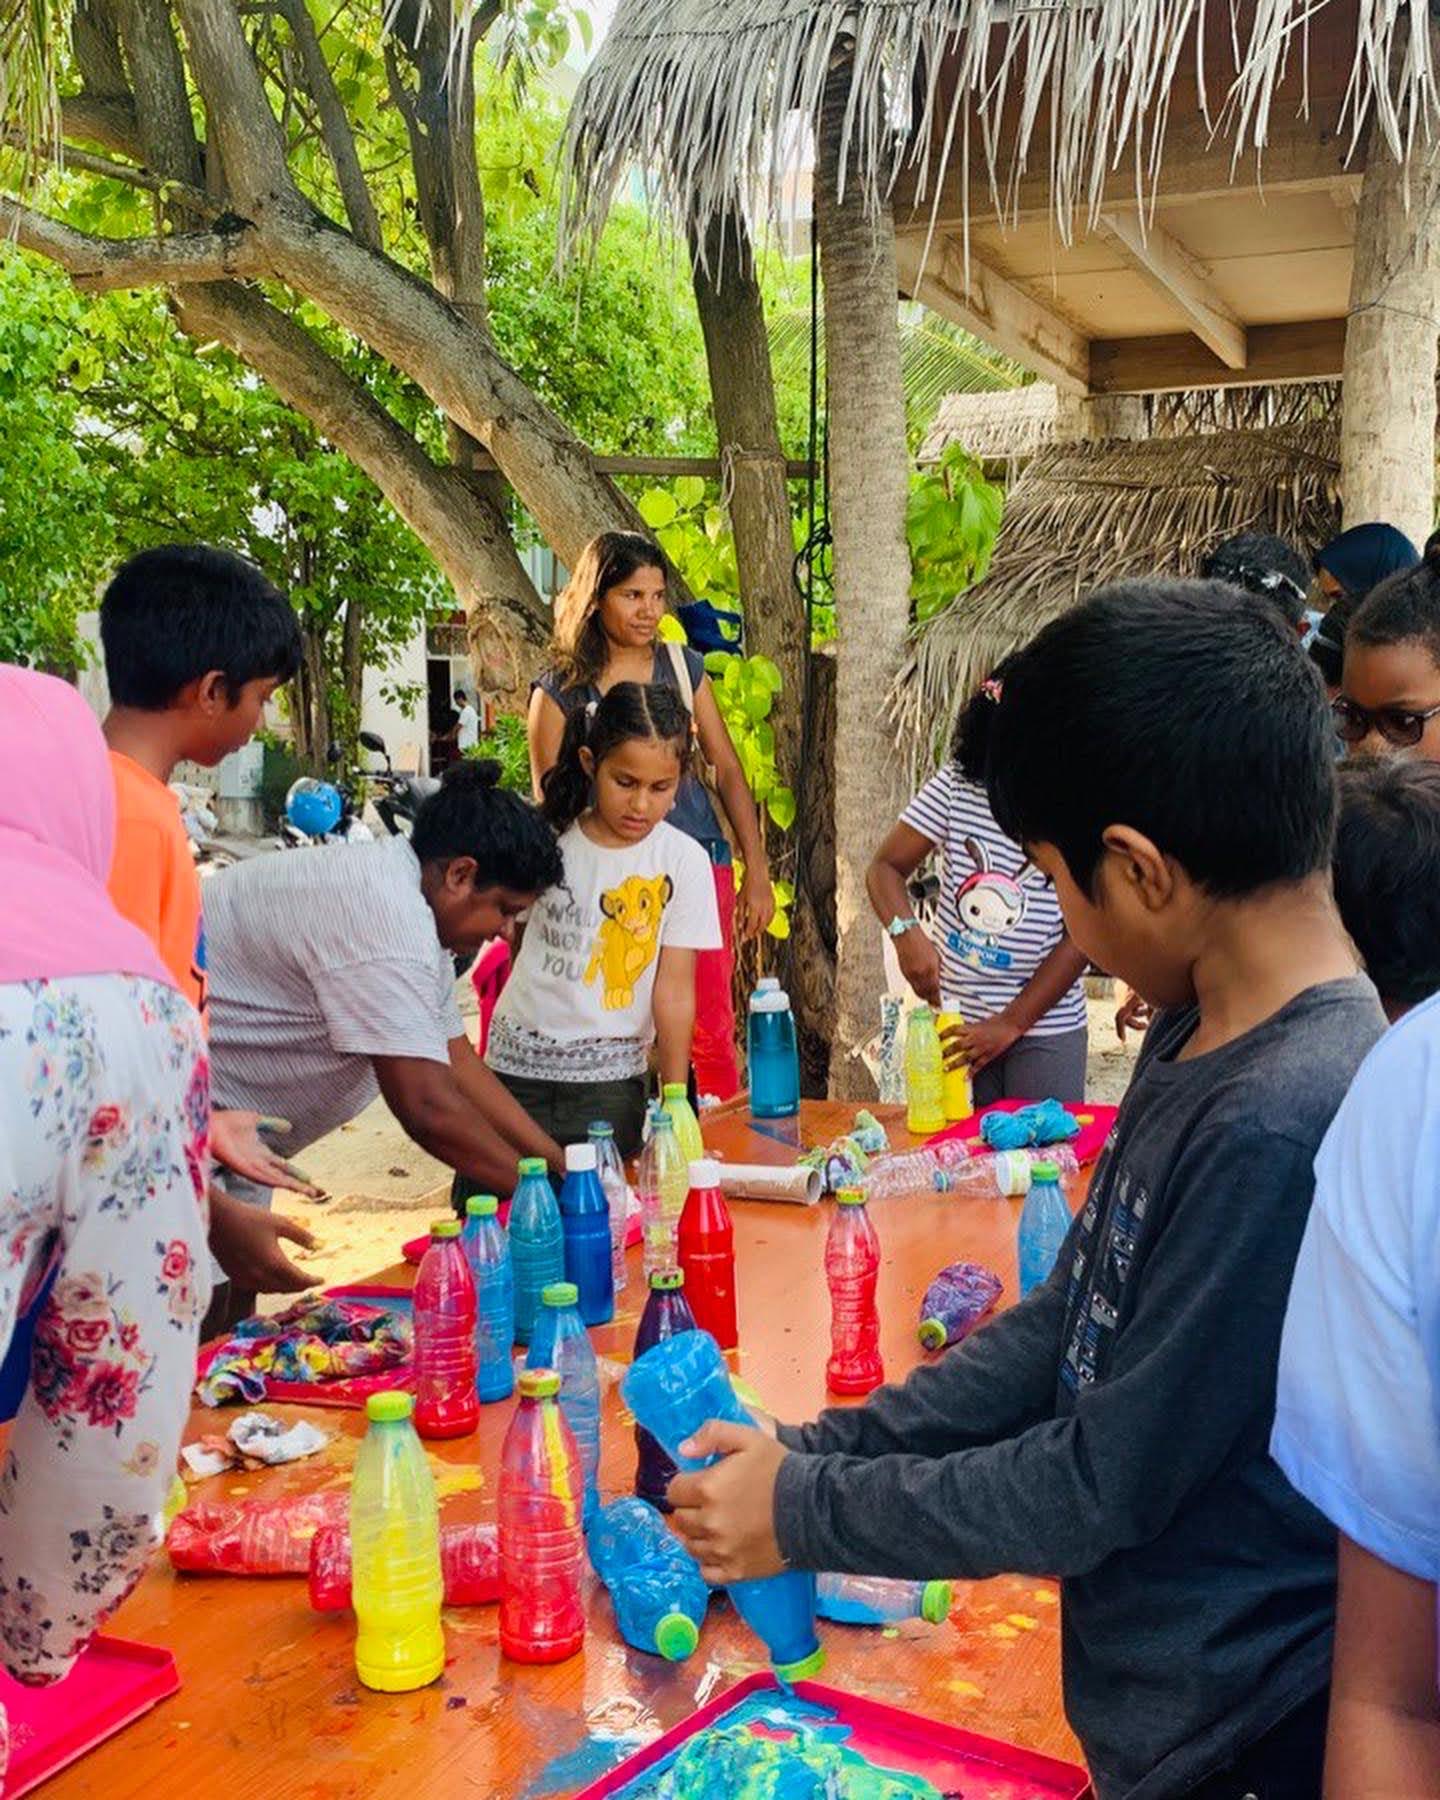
{"x": 270, "y": 1708}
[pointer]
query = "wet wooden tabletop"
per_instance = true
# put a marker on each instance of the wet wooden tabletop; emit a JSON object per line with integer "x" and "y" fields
{"x": 270, "y": 1707}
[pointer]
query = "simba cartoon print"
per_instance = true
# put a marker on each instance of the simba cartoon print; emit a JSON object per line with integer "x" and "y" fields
{"x": 629, "y": 936}
{"x": 990, "y": 906}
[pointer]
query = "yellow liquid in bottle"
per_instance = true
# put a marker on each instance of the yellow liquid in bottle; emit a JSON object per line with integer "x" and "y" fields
{"x": 395, "y": 1552}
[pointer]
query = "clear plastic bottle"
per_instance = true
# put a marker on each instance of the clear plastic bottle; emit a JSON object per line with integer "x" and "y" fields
{"x": 877, "y": 1600}
{"x": 662, "y": 1181}
{"x": 913, "y": 1171}
{"x": 924, "y": 1075}
{"x": 667, "y": 1313}
{"x": 610, "y": 1167}
{"x": 395, "y": 1550}
{"x": 537, "y": 1243}
{"x": 672, "y": 1390}
{"x": 705, "y": 1245}
{"x": 585, "y": 1221}
{"x": 446, "y": 1404}
{"x": 487, "y": 1251}
{"x": 542, "y": 1616}
{"x": 1004, "y": 1174}
{"x": 561, "y": 1342}
{"x": 852, "y": 1272}
{"x": 1044, "y": 1223}
{"x": 655, "y": 1583}
{"x": 687, "y": 1126}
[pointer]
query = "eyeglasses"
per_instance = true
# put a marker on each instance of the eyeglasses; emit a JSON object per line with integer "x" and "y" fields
{"x": 1395, "y": 724}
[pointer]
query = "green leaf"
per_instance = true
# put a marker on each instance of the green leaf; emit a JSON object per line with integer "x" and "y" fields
{"x": 767, "y": 672}
{"x": 784, "y": 890}
{"x": 689, "y": 491}
{"x": 779, "y": 926}
{"x": 782, "y": 810}
{"x": 656, "y": 508}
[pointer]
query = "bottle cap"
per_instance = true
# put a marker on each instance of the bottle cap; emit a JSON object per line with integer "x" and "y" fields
{"x": 579, "y": 1158}
{"x": 1045, "y": 1171}
{"x": 666, "y": 1281}
{"x": 935, "y": 1602}
{"x": 538, "y": 1384}
{"x": 601, "y": 1129}
{"x": 771, "y": 1001}
{"x": 676, "y": 1636}
{"x": 922, "y": 1011}
{"x": 675, "y": 1090}
{"x": 482, "y": 1206}
{"x": 932, "y": 1334}
{"x": 560, "y": 1293}
{"x": 850, "y": 1197}
{"x": 533, "y": 1165}
{"x": 768, "y": 984}
{"x": 445, "y": 1228}
{"x": 387, "y": 1408}
{"x": 660, "y": 1120}
{"x": 705, "y": 1173}
{"x": 805, "y": 1670}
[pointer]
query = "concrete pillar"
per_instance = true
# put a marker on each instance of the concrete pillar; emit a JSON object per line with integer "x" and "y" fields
{"x": 1097, "y": 418}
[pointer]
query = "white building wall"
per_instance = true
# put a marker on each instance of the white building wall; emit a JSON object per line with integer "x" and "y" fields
{"x": 403, "y": 727}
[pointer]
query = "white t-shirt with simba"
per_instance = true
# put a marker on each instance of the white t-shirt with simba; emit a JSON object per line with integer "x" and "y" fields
{"x": 577, "y": 1005}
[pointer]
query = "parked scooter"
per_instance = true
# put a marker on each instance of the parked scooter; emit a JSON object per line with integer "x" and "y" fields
{"x": 395, "y": 798}
{"x": 200, "y": 822}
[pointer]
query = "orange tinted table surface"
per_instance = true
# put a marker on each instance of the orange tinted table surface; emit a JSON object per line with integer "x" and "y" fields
{"x": 270, "y": 1706}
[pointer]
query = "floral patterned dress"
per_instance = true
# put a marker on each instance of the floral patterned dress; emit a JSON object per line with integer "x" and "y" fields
{"x": 104, "y": 1125}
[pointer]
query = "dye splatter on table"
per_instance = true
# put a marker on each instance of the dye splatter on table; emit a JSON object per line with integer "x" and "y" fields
{"x": 270, "y": 1705}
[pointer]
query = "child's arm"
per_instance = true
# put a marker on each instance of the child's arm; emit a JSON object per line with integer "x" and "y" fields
{"x": 982, "y": 1041}
{"x": 673, "y": 1005}
{"x": 887, "y": 882}
{"x": 544, "y": 728}
{"x": 1384, "y": 1707}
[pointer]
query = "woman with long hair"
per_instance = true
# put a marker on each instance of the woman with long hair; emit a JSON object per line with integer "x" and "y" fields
{"x": 607, "y": 630}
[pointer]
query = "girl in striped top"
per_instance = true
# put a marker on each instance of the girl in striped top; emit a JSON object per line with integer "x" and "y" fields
{"x": 1000, "y": 956}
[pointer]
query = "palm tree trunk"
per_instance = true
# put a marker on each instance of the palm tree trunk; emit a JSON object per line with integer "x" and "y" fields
{"x": 869, "y": 468}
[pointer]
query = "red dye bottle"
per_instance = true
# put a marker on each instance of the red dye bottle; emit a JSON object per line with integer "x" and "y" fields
{"x": 852, "y": 1270}
{"x": 444, "y": 1309}
{"x": 707, "y": 1255}
{"x": 542, "y": 1544}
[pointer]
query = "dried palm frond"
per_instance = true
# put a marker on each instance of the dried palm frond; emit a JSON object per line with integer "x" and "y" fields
{"x": 34, "y": 35}
{"x": 1083, "y": 515}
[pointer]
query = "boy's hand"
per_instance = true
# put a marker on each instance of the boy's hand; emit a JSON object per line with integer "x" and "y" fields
{"x": 725, "y": 1514}
{"x": 980, "y": 1044}
{"x": 246, "y": 1243}
{"x": 235, "y": 1140}
{"x": 919, "y": 962}
{"x": 1134, "y": 1015}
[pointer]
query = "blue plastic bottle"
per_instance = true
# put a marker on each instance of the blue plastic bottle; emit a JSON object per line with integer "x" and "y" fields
{"x": 561, "y": 1342}
{"x": 655, "y": 1583}
{"x": 666, "y": 1312}
{"x": 537, "y": 1244}
{"x": 672, "y": 1390}
{"x": 488, "y": 1254}
{"x": 774, "y": 1060}
{"x": 1044, "y": 1222}
{"x": 585, "y": 1221}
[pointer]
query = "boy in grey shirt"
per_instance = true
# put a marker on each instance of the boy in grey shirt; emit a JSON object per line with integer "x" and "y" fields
{"x": 1113, "y": 1428}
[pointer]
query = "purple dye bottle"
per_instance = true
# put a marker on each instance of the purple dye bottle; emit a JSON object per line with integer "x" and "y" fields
{"x": 667, "y": 1313}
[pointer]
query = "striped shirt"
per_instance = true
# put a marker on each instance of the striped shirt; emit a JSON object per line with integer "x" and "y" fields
{"x": 320, "y": 961}
{"x": 998, "y": 917}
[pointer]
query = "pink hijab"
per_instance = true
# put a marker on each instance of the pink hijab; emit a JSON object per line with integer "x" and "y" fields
{"x": 57, "y": 836}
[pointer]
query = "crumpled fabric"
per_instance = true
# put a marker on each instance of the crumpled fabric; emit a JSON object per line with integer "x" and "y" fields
{"x": 312, "y": 1341}
{"x": 1046, "y": 1122}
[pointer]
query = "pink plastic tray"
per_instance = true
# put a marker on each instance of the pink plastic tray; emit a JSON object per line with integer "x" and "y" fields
{"x": 334, "y": 1393}
{"x": 953, "y": 1760}
{"x": 1087, "y": 1146}
{"x": 112, "y": 1684}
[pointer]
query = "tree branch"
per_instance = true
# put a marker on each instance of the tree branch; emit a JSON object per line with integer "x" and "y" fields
{"x": 334, "y": 125}
{"x": 196, "y": 199}
{"x": 162, "y": 101}
{"x": 100, "y": 264}
{"x": 102, "y": 119}
{"x": 241, "y": 123}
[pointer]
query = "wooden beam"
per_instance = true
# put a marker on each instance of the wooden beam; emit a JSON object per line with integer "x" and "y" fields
{"x": 985, "y": 302}
{"x": 1312, "y": 350}
{"x": 797, "y": 468}
{"x": 1169, "y": 266}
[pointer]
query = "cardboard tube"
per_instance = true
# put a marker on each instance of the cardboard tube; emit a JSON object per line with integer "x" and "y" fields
{"x": 758, "y": 1181}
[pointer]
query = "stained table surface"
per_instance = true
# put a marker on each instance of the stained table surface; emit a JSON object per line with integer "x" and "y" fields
{"x": 270, "y": 1704}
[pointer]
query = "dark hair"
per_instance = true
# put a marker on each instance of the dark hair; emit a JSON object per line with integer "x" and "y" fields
{"x": 970, "y": 746}
{"x": 1365, "y": 555}
{"x": 632, "y": 709}
{"x": 1182, "y": 710}
{"x": 1259, "y": 563}
{"x": 1404, "y": 609}
{"x": 578, "y": 644}
{"x": 460, "y": 697}
{"x": 1327, "y": 647}
{"x": 1387, "y": 873}
{"x": 472, "y": 815}
{"x": 172, "y": 614}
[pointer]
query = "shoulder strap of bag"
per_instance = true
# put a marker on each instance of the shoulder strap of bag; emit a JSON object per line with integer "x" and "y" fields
{"x": 676, "y": 653}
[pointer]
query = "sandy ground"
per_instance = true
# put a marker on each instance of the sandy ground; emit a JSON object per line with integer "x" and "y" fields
{"x": 383, "y": 1189}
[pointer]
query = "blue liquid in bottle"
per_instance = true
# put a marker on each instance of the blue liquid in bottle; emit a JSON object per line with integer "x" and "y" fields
{"x": 537, "y": 1244}
{"x": 772, "y": 1054}
{"x": 1044, "y": 1223}
{"x": 655, "y": 1583}
{"x": 487, "y": 1250}
{"x": 672, "y": 1390}
{"x": 585, "y": 1222}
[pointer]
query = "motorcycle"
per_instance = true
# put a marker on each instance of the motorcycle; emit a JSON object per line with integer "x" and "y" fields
{"x": 395, "y": 798}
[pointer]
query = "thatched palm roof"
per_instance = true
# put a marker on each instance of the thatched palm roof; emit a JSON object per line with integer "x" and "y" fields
{"x": 1085, "y": 514}
{"x": 711, "y": 97}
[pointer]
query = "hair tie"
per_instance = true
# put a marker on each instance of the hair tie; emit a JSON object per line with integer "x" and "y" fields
{"x": 992, "y": 689}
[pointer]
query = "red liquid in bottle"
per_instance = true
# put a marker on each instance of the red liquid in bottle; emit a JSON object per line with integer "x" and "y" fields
{"x": 852, "y": 1270}
{"x": 707, "y": 1256}
{"x": 446, "y": 1405}
{"x": 542, "y": 1551}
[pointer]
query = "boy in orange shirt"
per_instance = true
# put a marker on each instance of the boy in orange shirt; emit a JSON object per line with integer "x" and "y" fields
{"x": 196, "y": 640}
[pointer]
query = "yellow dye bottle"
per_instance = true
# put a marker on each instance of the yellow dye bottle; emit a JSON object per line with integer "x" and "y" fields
{"x": 959, "y": 1096}
{"x": 396, "y": 1584}
{"x": 924, "y": 1075}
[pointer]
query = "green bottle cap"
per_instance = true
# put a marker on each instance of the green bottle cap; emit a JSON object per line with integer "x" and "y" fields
{"x": 482, "y": 1206}
{"x": 935, "y": 1602}
{"x": 850, "y": 1197}
{"x": 666, "y": 1280}
{"x": 932, "y": 1334}
{"x": 675, "y": 1090}
{"x": 560, "y": 1293}
{"x": 533, "y": 1165}
{"x": 806, "y": 1669}
{"x": 922, "y": 1011}
{"x": 676, "y": 1636}
{"x": 390, "y": 1407}
{"x": 538, "y": 1384}
{"x": 1045, "y": 1171}
{"x": 601, "y": 1130}
{"x": 445, "y": 1228}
